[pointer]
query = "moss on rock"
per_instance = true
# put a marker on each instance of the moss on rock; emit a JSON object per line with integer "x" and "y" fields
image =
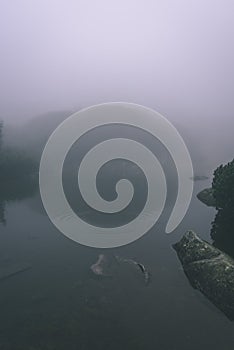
{"x": 208, "y": 270}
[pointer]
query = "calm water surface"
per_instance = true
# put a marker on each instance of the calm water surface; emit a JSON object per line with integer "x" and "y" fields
{"x": 58, "y": 303}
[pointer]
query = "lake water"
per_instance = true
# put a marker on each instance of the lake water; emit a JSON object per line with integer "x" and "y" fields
{"x": 59, "y": 304}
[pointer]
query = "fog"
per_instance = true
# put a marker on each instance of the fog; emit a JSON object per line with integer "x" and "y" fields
{"x": 175, "y": 56}
{"x": 58, "y": 56}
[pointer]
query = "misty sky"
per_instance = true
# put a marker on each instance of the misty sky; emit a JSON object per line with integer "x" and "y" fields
{"x": 173, "y": 55}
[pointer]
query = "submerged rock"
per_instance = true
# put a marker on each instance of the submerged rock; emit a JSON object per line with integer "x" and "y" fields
{"x": 208, "y": 270}
{"x": 140, "y": 266}
{"x": 100, "y": 267}
{"x": 104, "y": 265}
{"x": 206, "y": 196}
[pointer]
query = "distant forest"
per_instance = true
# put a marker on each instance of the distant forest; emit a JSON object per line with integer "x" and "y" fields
{"x": 18, "y": 174}
{"x": 223, "y": 226}
{"x": 21, "y": 149}
{"x": 14, "y": 164}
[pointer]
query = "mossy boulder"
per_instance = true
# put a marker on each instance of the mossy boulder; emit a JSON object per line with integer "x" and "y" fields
{"x": 208, "y": 270}
{"x": 206, "y": 196}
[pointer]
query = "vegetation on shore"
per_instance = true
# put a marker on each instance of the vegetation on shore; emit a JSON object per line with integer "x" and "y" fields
{"x": 222, "y": 231}
{"x": 223, "y": 186}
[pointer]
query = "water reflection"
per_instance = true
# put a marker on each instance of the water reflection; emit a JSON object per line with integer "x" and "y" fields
{"x": 2, "y": 212}
{"x": 18, "y": 175}
{"x": 222, "y": 231}
{"x": 16, "y": 189}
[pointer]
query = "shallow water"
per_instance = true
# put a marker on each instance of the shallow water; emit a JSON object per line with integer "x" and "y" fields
{"x": 60, "y": 304}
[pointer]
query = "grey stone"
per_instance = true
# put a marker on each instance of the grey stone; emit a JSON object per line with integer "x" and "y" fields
{"x": 209, "y": 270}
{"x": 206, "y": 196}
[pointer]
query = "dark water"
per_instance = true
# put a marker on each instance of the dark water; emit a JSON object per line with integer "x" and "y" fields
{"x": 59, "y": 304}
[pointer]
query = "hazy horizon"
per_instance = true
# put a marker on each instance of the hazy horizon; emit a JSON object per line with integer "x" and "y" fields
{"x": 174, "y": 56}
{"x": 57, "y": 57}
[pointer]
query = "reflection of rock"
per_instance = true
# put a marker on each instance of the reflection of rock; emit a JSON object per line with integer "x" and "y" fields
{"x": 208, "y": 270}
{"x": 199, "y": 178}
{"x": 206, "y": 196}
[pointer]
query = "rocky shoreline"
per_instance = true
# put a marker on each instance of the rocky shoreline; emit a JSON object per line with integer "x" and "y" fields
{"x": 206, "y": 196}
{"x": 209, "y": 270}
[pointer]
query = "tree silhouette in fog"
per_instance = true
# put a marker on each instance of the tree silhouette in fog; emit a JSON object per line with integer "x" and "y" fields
{"x": 222, "y": 231}
{"x": 18, "y": 175}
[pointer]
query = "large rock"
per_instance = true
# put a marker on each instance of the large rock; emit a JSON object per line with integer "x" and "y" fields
{"x": 206, "y": 196}
{"x": 208, "y": 270}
